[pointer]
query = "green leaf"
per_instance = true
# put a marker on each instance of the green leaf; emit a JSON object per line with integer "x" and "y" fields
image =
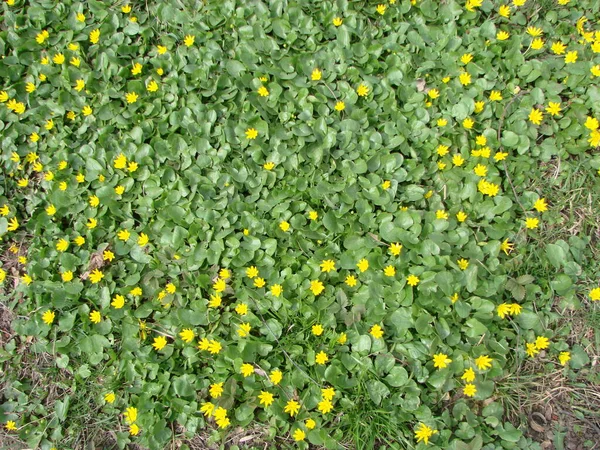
{"x": 397, "y": 377}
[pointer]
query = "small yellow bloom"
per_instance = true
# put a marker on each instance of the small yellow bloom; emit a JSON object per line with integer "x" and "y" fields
{"x": 95, "y": 317}
{"x": 362, "y": 90}
{"x": 110, "y": 397}
{"x": 48, "y": 317}
{"x": 376, "y": 331}
{"x": 469, "y": 390}
{"x": 159, "y": 343}
{"x": 571, "y": 57}
{"x": 316, "y": 75}
{"x": 337, "y": 21}
{"x": 131, "y": 97}
{"x": 321, "y": 358}
{"x": 502, "y": 35}
{"x": 263, "y": 91}
{"x": 413, "y": 280}
{"x": 340, "y": 106}
{"x": 285, "y": 226}
{"x": 441, "y": 360}
{"x": 189, "y": 40}
{"x": 95, "y": 36}
{"x": 389, "y": 271}
{"x": 564, "y": 357}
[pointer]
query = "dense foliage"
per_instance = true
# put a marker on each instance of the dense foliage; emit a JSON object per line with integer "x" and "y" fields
{"x": 312, "y": 215}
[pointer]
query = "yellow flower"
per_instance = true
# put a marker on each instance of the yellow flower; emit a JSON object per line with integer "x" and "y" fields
{"x": 321, "y": 358}
{"x": 483, "y": 362}
{"x": 531, "y": 349}
{"x": 316, "y": 287}
{"x": 342, "y": 339}
{"x": 389, "y": 271}
{"x": 461, "y": 216}
{"x": 187, "y": 335}
{"x": 131, "y": 97}
{"x": 152, "y": 86}
{"x": 386, "y": 185}
{"x": 350, "y": 280}
{"x": 126, "y": 9}
{"x": 95, "y": 316}
{"x": 325, "y": 406}
{"x": 292, "y": 407}
{"x": 553, "y": 108}
{"x": 542, "y": 343}
{"x": 247, "y": 369}
{"x": 558, "y": 48}
{"x": 62, "y": 245}
{"x": 265, "y": 398}
{"x": 327, "y": 265}
{"x": 42, "y": 36}
{"x": 504, "y": 11}
{"x": 413, "y": 280}
{"x": 381, "y": 9}
{"x": 118, "y": 301}
{"x": 531, "y": 223}
{"x": 251, "y": 133}
{"x": 95, "y": 36}
{"x": 136, "y": 292}
{"x": 462, "y": 264}
{"x": 79, "y": 85}
{"x": 11, "y": 425}
{"x": 466, "y": 58}
{"x": 468, "y": 375}
{"x": 465, "y": 78}
{"x": 276, "y": 290}
{"x": 299, "y": 435}
{"x": 506, "y": 246}
{"x": 160, "y": 71}
{"x": 316, "y": 75}
{"x": 161, "y": 49}
{"x": 395, "y": 249}
{"x": 130, "y": 415}
{"x": 564, "y": 357}
{"x": 536, "y": 116}
{"x": 96, "y": 276}
{"x": 468, "y": 123}
{"x": 595, "y": 70}
{"x": 317, "y": 330}
{"x": 59, "y": 58}
{"x": 134, "y": 429}
{"x": 189, "y": 40}
{"x": 441, "y": 360}
{"x": 376, "y": 331}
{"x": 86, "y": 111}
{"x": 442, "y": 122}
{"x": 423, "y": 433}
{"x": 480, "y": 170}
{"x": 216, "y": 390}
{"x": 94, "y": 201}
{"x": 142, "y": 238}
{"x": 441, "y": 214}
{"x": 571, "y": 57}
{"x": 263, "y": 91}
{"x": 340, "y": 106}
{"x": 110, "y": 397}
{"x": 214, "y": 347}
{"x": 30, "y": 87}
{"x": 276, "y": 376}
{"x": 537, "y": 44}
{"x": 67, "y": 276}
{"x": 285, "y": 226}
{"x": 540, "y": 205}
{"x": 136, "y": 69}
{"x": 266, "y": 166}
{"x": 22, "y": 182}
{"x": 259, "y": 282}
{"x": 159, "y": 342}
{"x": 214, "y": 301}
{"x": 51, "y": 210}
{"x": 48, "y": 317}
{"x": 123, "y": 235}
{"x": 79, "y": 240}
{"x": 241, "y": 309}
{"x": 591, "y": 123}
{"x": 362, "y": 265}
{"x": 80, "y": 17}
{"x": 470, "y": 390}
{"x": 362, "y": 90}
{"x": 244, "y": 329}
{"x": 502, "y": 35}
{"x": 337, "y": 21}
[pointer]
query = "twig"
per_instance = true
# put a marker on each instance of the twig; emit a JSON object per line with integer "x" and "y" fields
{"x": 499, "y": 133}
{"x": 279, "y": 343}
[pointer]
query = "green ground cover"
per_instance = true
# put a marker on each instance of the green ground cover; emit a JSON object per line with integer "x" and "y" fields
{"x": 294, "y": 224}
